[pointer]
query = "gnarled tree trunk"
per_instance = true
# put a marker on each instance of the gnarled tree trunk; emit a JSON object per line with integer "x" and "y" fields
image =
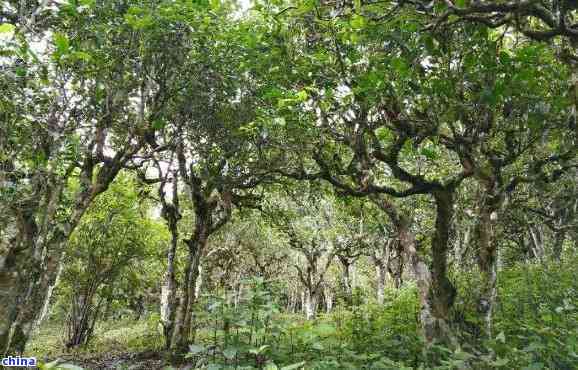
{"x": 434, "y": 289}
{"x": 491, "y": 202}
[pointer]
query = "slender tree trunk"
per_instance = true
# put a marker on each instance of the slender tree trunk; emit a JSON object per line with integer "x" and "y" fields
{"x": 168, "y": 290}
{"x": 310, "y": 303}
{"x": 381, "y": 262}
{"x": 557, "y": 248}
{"x": 35, "y": 278}
{"x": 171, "y": 214}
{"x": 199, "y": 282}
{"x": 46, "y": 307}
{"x": 487, "y": 258}
{"x": 395, "y": 266}
{"x": 289, "y": 305}
{"x": 381, "y": 277}
{"x": 196, "y": 246}
{"x": 537, "y": 245}
{"x": 346, "y": 278}
{"x": 328, "y": 293}
{"x": 238, "y": 294}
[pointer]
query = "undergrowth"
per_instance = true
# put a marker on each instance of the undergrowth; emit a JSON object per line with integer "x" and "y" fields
{"x": 536, "y": 327}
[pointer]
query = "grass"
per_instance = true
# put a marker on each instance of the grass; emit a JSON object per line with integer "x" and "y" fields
{"x": 112, "y": 339}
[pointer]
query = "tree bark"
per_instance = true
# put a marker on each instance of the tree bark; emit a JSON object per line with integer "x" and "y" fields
{"x": 442, "y": 291}
{"x": 487, "y": 264}
{"x": 381, "y": 272}
{"x": 381, "y": 261}
{"x": 310, "y": 303}
{"x": 491, "y": 203}
{"x": 33, "y": 265}
{"x": 168, "y": 291}
{"x": 537, "y": 245}
{"x": 429, "y": 322}
{"x": 328, "y": 293}
{"x": 346, "y": 266}
{"x": 558, "y": 247}
{"x": 196, "y": 246}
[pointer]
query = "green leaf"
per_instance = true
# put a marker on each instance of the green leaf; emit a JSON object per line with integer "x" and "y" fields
{"x": 20, "y": 72}
{"x": 7, "y": 28}
{"x": 215, "y": 4}
{"x": 357, "y": 6}
{"x": 230, "y": 353}
{"x": 61, "y": 42}
{"x": 429, "y": 153}
{"x": 431, "y": 45}
{"x": 357, "y": 21}
{"x": 318, "y": 346}
{"x": 534, "y": 366}
{"x": 294, "y": 366}
{"x": 279, "y": 121}
{"x": 196, "y": 349}
{"x": 158, "y": 124}
{"x": 400, "y": 66}
{"x": 501, "y": 337}
{"x": 301, "y": 96}
{"x": 500, "y": 362}
{"x": 83, "y": 56}
{"x": 257, "y": 351}
{"x": 271, "y": 366}
{"x": 533, "y": 347}
{"x": 325, "y": 330}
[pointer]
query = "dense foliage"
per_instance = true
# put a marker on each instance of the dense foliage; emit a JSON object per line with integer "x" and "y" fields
{"x": 274, "y": 184}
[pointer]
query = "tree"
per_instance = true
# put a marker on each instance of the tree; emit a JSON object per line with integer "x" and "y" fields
{"x": 366, "y": 105}
{"x": 108, "y": 244}
{"x": 307, "y": 220}
{"x": 208, "y": 127}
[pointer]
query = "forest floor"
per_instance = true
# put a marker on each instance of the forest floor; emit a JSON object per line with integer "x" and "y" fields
{"x": 121, "y": 344}
{"x": 536, "y": 326}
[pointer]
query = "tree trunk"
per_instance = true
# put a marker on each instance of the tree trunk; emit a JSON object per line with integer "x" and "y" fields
{"x": 238, "y": 293}
{"x": 171, "y": 214}
{"x": 310, "y": 304}
{"x": 421, "y": 272}
{"x": 196, "y": 246}
{"x": 558, "y": 247}
{"x": 199, "y": 282}
{"x": 346, "y": 278}
{"x": 381, "y": 260}
{"x": 442, "y": 292}
{"x": 46, "y": 307}
{"x": 168, "y": 290}
{"x": 328, "y": 293}
{"x": 537, "y": 245}
{"x": 487, "y": 264}
{"x": 33, "y": 266}
{"x": 492, "y": 200}
{"x": 422, "y": 276}
{"x": 28, "y": 290}
{"x": 381, "y": 271}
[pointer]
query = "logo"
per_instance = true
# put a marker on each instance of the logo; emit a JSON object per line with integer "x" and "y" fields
{"x": 19, "y": 361}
